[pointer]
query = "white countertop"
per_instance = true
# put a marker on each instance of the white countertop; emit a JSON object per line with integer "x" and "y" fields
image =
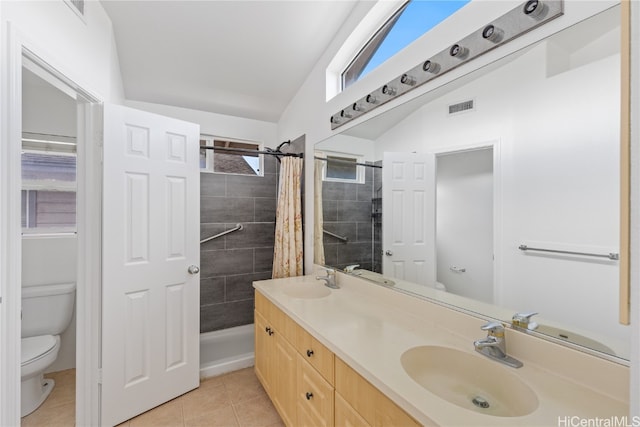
{"x": 369, "y": 327}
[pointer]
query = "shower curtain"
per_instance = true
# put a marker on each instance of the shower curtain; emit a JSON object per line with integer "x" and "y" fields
{"x": 318, "y": 235}
{"x": 288, "y": 250}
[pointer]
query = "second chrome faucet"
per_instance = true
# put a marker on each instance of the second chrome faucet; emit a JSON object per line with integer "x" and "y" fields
{"x": 494, "y": 345}
{"x": 329, "y": 279}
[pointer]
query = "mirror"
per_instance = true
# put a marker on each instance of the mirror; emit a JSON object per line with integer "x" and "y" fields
{"x": 495, "y": 194}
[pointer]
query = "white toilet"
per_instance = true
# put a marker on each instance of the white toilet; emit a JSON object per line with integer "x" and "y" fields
{"x": 46, "y": 313}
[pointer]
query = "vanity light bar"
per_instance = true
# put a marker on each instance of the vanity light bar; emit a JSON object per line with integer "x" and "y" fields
{"x": 509, "y": 26}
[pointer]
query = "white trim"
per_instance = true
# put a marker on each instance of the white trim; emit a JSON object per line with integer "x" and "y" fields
{"x": 89, "y": 210}
{"x": 11, "y": 243}
{"x": 366, "y": 29}
{"x": 89, "y": 226}
{"x": 360, "y": 171}
{"x": 210, "y": 140}
{"x": 634, "y": 259}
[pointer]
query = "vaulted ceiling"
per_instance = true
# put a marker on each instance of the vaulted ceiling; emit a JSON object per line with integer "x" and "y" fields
{"x": 241, "y": 58}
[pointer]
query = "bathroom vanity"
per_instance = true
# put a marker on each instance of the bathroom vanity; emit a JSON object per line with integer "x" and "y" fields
{"x": 365, "y": 355}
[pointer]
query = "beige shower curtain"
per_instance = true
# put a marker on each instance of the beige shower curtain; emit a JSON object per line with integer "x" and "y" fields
{"x": 288, "y": 250}
{"x": 318, "y": 235}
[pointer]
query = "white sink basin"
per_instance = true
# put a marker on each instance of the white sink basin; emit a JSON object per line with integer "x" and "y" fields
{"x": 469, "y": 381}
{"x": 307, "y": 290}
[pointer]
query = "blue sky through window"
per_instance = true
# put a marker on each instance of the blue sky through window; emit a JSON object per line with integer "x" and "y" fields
{"x": 419, "y": 17}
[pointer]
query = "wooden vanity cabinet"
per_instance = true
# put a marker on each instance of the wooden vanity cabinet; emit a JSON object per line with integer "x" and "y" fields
{"x": 358, "y": 395}
{"x": 276, "y": 358}
{"x": 308, "y": 385}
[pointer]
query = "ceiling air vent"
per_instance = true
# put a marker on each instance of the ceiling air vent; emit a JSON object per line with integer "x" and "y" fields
{"x": 461, "y": 107}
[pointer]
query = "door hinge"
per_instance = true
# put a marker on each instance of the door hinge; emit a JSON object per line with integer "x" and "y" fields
{"x": 99, "y": 376}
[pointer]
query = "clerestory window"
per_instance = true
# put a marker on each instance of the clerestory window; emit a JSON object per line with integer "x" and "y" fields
{"x": 413, "y": 19}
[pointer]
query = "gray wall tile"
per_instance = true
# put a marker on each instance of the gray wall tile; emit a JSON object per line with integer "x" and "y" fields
{"x": 263, "y": 259}
{"x": 226, "y": 209}
{"x": 253, "y": 235}
{"x": 330, "y": 210}
{"x": 212, "y": 184}
{"x": 265, "y": 209}
{"x": 355, "y": 253}
{"x": 212, "y": 290}
{"x": 238, "y": 313}
{"x": 208, "y": 230}
{"x": 339, "y": 191}
{"x": 212, "y": 317}
{"x": 354, "y": 211}
{"x": 226, "y": 262}
{"x": 252, "y": 186}
{"x": 240, "y": 287}
{"x": 344, "y": 229}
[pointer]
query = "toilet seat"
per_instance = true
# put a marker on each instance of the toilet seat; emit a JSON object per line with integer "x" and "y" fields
{"x": 35, "y": 348}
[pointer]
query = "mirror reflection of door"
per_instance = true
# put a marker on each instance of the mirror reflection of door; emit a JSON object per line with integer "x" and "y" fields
{"x": 464, "y": 223}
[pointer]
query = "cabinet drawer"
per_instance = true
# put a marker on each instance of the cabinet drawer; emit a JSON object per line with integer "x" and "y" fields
{"x": 275, "y": 318}
{"x": 314, "y": 397}
{"x": 319, "y": 356}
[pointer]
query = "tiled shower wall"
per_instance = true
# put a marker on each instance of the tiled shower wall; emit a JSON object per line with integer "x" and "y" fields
{"x": 231, "y": 263}
{"x": 348, "y": 211}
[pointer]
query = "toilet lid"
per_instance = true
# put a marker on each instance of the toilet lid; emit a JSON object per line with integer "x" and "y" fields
{"x": 36, "y": 347}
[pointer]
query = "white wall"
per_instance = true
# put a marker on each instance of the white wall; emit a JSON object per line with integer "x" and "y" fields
{"x": 217, "y": 124}
{"x": 83, "y": 51}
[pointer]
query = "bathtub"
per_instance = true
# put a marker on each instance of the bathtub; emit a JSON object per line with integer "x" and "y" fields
{"x": 226, "y": 350}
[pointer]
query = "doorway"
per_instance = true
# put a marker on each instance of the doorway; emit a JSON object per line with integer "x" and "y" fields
{"x": 465, "y": 222}
{"x": 48, "y": 222}
{"x": 61, "y": 129}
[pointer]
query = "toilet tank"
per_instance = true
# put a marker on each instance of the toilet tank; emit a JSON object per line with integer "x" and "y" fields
{"x": 47, "y": 309}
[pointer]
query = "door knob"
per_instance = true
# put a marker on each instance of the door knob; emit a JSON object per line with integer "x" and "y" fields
{"x": 388, "y": 253}
{"x": 193, "y": 269}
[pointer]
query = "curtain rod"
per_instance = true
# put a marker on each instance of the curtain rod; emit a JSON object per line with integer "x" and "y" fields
{"x": 324, "y": 159}
{"x": 243, "y": 150}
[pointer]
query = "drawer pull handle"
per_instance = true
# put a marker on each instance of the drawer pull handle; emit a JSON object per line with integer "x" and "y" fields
{"x": 309, "y": 353}
{"x": 309, "y": 395}
{"x": 268, "y": 330}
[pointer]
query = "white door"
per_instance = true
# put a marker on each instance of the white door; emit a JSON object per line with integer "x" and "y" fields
{"x": 150, "y": 301}
{"x": 408, "y": 216}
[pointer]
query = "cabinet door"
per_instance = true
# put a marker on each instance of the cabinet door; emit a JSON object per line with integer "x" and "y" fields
{"x": 263, "y": 351}
{"x": 284, "y": 380}
{"x": 346, "y": 416}
{"x": 314, "y": 397}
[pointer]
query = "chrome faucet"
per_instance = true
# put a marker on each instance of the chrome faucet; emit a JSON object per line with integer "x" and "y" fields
{"x": 350, "y": 268}
{"x": 523, "y": 321}
{"x": 329, "y": 279}
{"x": 494, "y": 345}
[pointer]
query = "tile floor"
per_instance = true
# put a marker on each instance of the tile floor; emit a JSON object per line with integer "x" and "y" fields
{"x": 235, "y": 399}
{"x": 60, "y": 407}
